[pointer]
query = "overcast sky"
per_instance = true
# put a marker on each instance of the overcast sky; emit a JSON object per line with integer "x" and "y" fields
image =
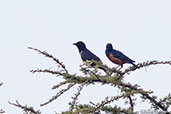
{"x": 140, "y": 29}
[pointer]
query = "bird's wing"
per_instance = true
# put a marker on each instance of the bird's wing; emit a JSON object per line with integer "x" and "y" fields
{"x": 88, "y": 55}
{"x": 120, "y": 55}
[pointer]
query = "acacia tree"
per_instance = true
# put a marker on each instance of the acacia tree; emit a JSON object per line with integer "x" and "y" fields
{"x": 112, "y": 77}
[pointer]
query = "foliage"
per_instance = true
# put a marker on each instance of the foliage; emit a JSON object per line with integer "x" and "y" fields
{"x": 112, "y": 77}
{"x": 25, "y": 108}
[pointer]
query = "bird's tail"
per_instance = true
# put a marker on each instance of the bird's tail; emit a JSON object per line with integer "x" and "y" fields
{"x": 134, "y": 65}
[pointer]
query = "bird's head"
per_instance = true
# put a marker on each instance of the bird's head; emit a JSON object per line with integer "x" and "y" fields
{"x": 109, "y": 46}
{"x": 80, "y": 45}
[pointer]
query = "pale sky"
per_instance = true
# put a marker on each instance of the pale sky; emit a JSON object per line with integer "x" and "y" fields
{"x": 140, "y": 29}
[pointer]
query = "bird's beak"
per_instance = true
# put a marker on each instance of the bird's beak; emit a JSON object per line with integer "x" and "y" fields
{"x": 74, "y": 43}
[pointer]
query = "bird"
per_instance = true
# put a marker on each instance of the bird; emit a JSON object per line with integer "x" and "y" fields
{"x": 86, "y": 54}
{"x": 117, "y": 57}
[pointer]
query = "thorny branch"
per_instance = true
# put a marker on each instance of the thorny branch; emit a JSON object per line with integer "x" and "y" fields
{"x": 73, "y": 103}
{"x": 146, "y": 95}
{"x": 166, "y": 100}
{"x": 25, "y": 108}
{"x": 60, "y": 84}
{"x": 113, "y": 77}
{"x": 58, "y": 94}
{"x": 109, "y": 80}
{"x": 145, "y": 64}
{"x": 47, "y": 71}
{"x": 112, "y": 99}
{"x": 116, "y": 110}
{"x": 50, "y": 56}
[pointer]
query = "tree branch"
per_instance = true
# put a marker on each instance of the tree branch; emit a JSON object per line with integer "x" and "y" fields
{"x": 60, "y": 84}
{"x": 112, "y": 99}
{"x": 145, "y": 64}
{"x": 73, "y": 103}
{"x": 131, "y": 103}
{"x": 113, "y": 77}
{"x": 47, "y": 71}
{"x": 50, "y": 56}
{"x": 58, "y": 94}
{"x": 25, "y": 108}
{"x": 144, "y": 94}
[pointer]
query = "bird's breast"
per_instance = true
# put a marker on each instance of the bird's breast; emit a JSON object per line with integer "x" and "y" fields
{"x": 114, "y": 59}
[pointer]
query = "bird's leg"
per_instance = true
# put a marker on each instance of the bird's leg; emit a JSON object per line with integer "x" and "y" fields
{"x": 120, "y": 67}
{"x": 117, "y": 66}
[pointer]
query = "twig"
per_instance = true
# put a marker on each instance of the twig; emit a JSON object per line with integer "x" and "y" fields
{"x": 166, "y": 100}
{"x": 50, "y": 56}
{"x": 116, "y": 110}
{"x": 112, "y": 99}
{"x": 25, "y": 108}
{"x": 60, "y": 84}
{"x": 94, "y": 74}
{"x": 73, "y": 103}
{"x": 47, "y": 71}
{"x": 58, "y": 94}
{"x": 145, "y": 64}
{"x": 131, "y": 103}
{"x": 73, "y": 79}
{"x": 112, "y": 70}
{"x": 104, "y": 80}
{"x": 145, "y": 95}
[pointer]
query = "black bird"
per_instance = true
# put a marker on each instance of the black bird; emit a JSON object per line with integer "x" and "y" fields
{"x": 87, "y": 54}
